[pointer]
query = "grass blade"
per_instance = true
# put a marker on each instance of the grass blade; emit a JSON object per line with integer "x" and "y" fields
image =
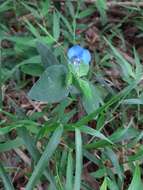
{"x": 6, "y": 180}
{"x": 104, "y": 185}
{"x": 78, "y": 171}
{"x": 93, "y": 132}
{"x": 136, "y": 181}
{"x": 10, "y": 144}
{"x": 101, "y": 6}
{"x": 112, "y": 101}
{"x": 49, "y": 150}
{"x": 69, "y": 173}
{"x": 113, "y": 157}
{"x": 56, "y": 26}
{"x": 124, "y": 64}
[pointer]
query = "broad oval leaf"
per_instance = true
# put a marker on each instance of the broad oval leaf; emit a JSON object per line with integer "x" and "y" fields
{"x": 51, "y": 86}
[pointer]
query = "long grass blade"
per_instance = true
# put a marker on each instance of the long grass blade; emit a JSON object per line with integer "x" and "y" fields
{"x": 78, "y": 170}
{"x": 6, "y": 180}
{"x": 49, "y": 150}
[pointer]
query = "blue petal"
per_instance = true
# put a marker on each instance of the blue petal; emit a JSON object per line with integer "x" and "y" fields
{"x": 75, "y": 51}
{"x": 86, "y": 56}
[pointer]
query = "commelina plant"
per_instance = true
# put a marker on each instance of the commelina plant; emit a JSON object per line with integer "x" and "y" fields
{"x": 61, "y": 80}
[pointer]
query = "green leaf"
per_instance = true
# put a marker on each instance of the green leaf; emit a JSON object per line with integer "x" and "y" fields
{"x": 137, "y": 156}
{"x": 29, "y": 143}
{"x": 133, "y": 101}
{"x": 42, "y": 163}
{"x": 32, "y": 10}
{"x": 56, "y": 26}
{"x": 79, "y": 70}
{"x": 93, "y": 132}
{"x": 91, "y": 98}
{"x": 104, "y": 185}
{"x": 69, "y": 78}
{"x": 32, "y": 29}
{"x": 6, "y": 180}
{"x": 69, "y": 173}
{"x": 32, "y": 60}
{"x": 124, "y": 64}
{"x": 91, "y": 157}
{"x": 112, "y": 184}
{"x": 35, "y": 154}
{"x": 11, "y": 144}
{"x": 113, "y": 157}
{"x": 47, "y": 56}
{"x": 85, "y": 88}
{"x": 51, "y": 86}
{"x": 70, "y": 8}
{"x": 45, "y": 6}
{"x": 5, "y": 6}
{"x": 139, "y": 67}
{"x": 83, "y": 69}
{"x": 118, "y": 136}
{"x": 87, "y": 12}
{"x": 112, "y": 101}
{"x": 66, "y": 23}
{"x": 78, "y": 170}
{"x": 136, "y": 183}
{"x": 32, "y": 126}
{"x": 24, "y": 41}
{"x": 32, "y": 69}
{"x": 100, "y": 173}
{"x": 101, "y": 6}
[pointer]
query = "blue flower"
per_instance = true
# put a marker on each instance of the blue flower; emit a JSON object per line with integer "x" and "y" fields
{"x": 77, "y": 55}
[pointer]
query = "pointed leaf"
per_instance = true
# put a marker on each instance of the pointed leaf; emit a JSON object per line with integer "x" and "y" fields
{"x": 51, "y": 85}
{"x": 104, "y": 185}
{"x": 78, "y": 170}
{"x": 6, "y": 179}
{"x": 42, "y": 163}
{"x": 69, "y": 173}
{"x": 47, "y": 56}
{"x": 56, "y": 26}
{"x": 91, "y": 98}
{"x": 136, "y": 183}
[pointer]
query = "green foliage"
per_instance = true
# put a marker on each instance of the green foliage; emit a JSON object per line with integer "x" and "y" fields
{"x": 104, "y": 185}
{"x": 49, "y": 150}
{"x": 69, "y": 172}
{"x": 78, "y": 169}
{"x": 46, "y": 54}
{"x": 101, "y": 6}
{"x": 5, "y": 178}
{"x": 77, "y": 128}
{"x": 91, "y": 98}
{"x": 51, "y": 86}
{"x": 136, "y": 181}
{"x": 56, "y": 26}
